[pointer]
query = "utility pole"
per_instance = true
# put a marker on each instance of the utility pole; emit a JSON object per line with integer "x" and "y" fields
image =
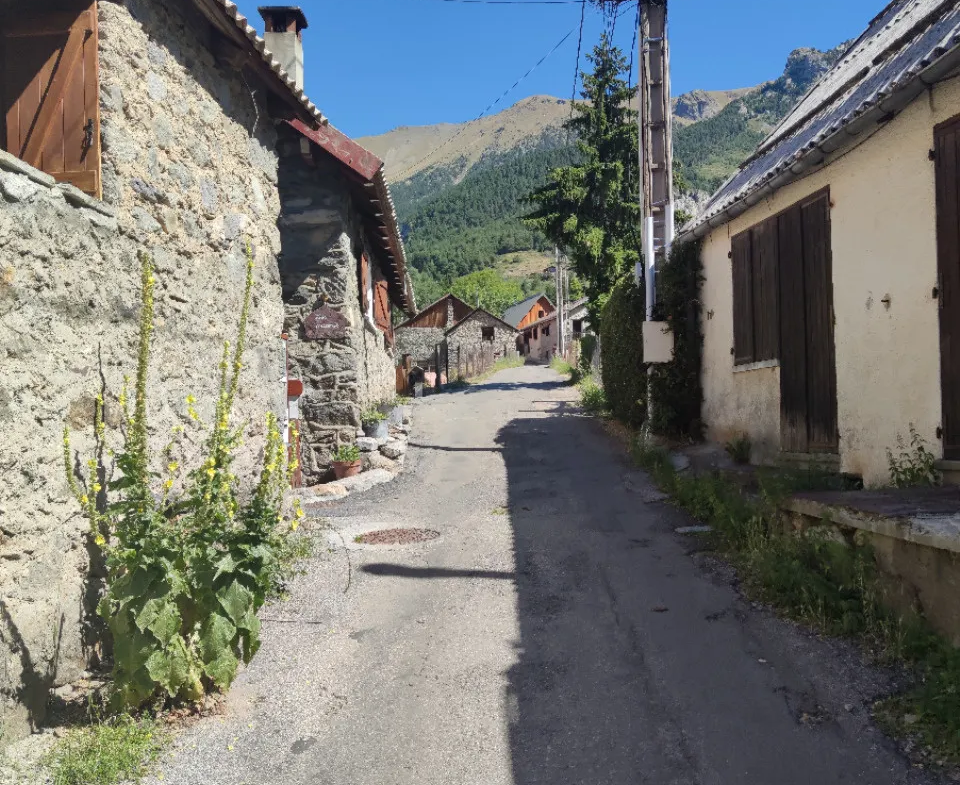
{"x": 558, "y": 277}
{"x": 656, "y": 149}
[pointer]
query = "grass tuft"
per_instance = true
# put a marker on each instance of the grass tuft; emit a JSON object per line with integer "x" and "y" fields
{"x": 106, "y": 753}
{"x": 593, "y": 400}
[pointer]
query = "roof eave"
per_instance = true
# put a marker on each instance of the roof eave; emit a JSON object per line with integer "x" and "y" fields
{"x": 845, "y": 136}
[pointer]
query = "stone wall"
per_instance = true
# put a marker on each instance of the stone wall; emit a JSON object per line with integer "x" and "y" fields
{"x": 342, "y": 359}
{"x": 188, "y": 174}
{"x": 419, "y": 342}
{"x": 468, "y": 337}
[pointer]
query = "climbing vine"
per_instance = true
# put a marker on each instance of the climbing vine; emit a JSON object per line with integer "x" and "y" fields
{"x": 675, "y": 387}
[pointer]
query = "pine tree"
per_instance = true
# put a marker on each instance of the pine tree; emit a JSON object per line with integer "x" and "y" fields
{"x": 592, "y": 209}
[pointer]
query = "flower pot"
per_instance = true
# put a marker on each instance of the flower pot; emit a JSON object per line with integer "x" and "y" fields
{"x": 376, "y": 430}
{"x": 344, "y": 469}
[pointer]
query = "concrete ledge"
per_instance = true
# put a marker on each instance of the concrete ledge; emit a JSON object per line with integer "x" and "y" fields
{"x": 934, "y": 527}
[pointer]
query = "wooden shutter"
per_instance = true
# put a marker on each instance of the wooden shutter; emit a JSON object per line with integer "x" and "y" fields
{"x": 948, "y": 259}
{"x": 743, "y": 329}
{"x": 364, "y": 280}
{"x": 381, "y": 305}
{"x": 766, "y": 295}
{"x": 51, "y": 93}
{"x": 821, "y": 352}
{"x": 793, "y": 334}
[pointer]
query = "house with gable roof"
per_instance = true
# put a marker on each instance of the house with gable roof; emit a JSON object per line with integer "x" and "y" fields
{"x": 831, "y": 295}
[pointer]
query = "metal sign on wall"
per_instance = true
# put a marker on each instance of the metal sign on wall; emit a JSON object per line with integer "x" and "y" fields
{"x": 325, "y": 323}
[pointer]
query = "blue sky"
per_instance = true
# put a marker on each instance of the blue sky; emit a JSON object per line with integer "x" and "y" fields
{"x": 373, "y": 65}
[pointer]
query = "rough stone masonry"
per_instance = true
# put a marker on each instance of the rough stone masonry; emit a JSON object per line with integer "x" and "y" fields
{"x": 189, "y": 174}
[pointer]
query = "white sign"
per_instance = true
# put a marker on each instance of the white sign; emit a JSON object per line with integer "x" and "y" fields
{"x": 657, "y": 342}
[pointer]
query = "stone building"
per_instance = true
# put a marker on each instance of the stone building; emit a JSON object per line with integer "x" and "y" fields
{"x": 169, "y": 127}
{"x": 419, "y": 337}
{"x": 480, "y": 331}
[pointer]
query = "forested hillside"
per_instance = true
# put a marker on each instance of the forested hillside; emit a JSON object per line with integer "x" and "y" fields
{"x": 463, "y": 214}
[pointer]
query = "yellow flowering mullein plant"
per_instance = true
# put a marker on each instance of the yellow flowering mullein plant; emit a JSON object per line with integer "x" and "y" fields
{"x": 186, "y": 573}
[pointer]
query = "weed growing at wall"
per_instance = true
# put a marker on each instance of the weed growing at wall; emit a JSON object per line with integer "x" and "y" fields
{"x": 913, "y": 466}
{"x": 593, "y": 400}
{"x": 675, "y": 386}
{"x": 187, "y": 572}
{"x": 828, "y": 580}
{"x": 623, "y": 372}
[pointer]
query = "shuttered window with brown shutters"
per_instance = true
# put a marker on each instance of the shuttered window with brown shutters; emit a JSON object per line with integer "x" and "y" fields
{"x": 50, "y": 91}
{"x": 381, "y": 308}
{"x": 756, "y": 297}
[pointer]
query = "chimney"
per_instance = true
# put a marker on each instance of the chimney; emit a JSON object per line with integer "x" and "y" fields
{"x": 283, "y": 25}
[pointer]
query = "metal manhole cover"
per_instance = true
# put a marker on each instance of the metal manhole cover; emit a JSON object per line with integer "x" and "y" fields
{"x": 397, "y": 536}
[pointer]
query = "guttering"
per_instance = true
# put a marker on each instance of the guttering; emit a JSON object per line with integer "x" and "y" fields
{"x": 850, "y": 132}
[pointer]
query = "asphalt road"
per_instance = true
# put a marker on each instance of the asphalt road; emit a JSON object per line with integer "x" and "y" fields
{"x": 559, "y": 631}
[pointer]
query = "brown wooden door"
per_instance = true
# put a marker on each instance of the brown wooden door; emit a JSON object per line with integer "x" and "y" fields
{"x": 947, "y": 140}
{"x": 808, "y": 361}
{"x": 50, "y": 91}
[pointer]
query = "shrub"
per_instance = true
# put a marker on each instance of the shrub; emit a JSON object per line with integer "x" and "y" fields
{"x": 186, "y": 573}
{"x": 564, "y": 368}
{"x": 623, "y": 373}
{"x": 588, "y": 348}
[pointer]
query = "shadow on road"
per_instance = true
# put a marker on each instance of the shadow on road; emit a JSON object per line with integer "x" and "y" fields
{"x": 400, "y": 571}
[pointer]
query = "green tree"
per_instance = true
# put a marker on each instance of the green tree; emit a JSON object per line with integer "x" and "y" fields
{"x": 591, "y": 209}
{"x": 489, "y": 290}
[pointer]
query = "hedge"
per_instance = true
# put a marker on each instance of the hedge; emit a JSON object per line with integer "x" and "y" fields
{"x": 621, "y": 352}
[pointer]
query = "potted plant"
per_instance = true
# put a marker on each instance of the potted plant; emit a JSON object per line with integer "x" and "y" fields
{"x": 393, "y": 411}
{"x": 346, "y": 461}
{"x": 374, "y": 423}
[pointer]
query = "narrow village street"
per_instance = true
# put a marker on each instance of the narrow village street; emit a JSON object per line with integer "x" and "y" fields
{"x": 558, "y": 631}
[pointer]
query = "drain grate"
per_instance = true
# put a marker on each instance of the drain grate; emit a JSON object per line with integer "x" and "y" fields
{"x": 397, "y": 536}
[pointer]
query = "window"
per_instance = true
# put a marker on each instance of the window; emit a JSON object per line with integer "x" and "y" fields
{"x": 577, "y": 328}
{"x": 50, "y": 94}
{"x": 546, "y": 330}
{"x": 536, "y": 333}
{"x": 540, "y": 314}
{"x": 486, "y": 333}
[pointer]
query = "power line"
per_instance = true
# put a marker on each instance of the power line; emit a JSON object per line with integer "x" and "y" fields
{"x": 516, "y": 2}
{"x": 576, "y": 70}
{"x": 506, "y": 92}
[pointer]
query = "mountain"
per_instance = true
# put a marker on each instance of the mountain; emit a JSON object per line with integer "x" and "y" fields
{"x": 459, "y": 188}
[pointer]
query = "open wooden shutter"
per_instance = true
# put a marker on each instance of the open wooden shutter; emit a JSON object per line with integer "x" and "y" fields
{"x": 948, "y": 260}
{"x": 51, "y": 93}
{"x": 743, "y": 330}
{"x": 381, "y": 305}
{"x": 364, "y": 283}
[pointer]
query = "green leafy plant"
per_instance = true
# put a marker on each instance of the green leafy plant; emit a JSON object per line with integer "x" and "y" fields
{"x": 346, "y": 453}
{"x": 372, "y": 416}
{"x": 187, "y": 572}
{"x": 107, "y": 752}
{"x": 622, "y": 369}
{"x": 739, "y": 449}
{"x": 913, "y": 466}
{"x": 593, "y": 400}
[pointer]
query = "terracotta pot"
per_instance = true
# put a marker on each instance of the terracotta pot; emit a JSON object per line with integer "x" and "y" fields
{"x": 344, "y": 469}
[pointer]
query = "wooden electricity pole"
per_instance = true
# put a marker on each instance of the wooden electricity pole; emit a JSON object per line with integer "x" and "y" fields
{"x": 656, "y": 140}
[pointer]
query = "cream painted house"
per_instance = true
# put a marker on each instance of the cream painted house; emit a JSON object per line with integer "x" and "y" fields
{"x": 831, "y": 301}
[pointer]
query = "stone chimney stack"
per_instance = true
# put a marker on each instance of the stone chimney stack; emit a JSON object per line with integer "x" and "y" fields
{"x": 284, "y": 24}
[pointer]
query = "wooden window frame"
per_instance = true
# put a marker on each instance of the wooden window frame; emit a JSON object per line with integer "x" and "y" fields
{"x": 51, "y": 116}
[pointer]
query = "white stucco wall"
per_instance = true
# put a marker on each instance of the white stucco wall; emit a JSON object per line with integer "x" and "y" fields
{"x": 884, "y": 243}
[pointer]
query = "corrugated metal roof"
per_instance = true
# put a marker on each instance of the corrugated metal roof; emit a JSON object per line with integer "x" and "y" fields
{"x": 898, "y": 46}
